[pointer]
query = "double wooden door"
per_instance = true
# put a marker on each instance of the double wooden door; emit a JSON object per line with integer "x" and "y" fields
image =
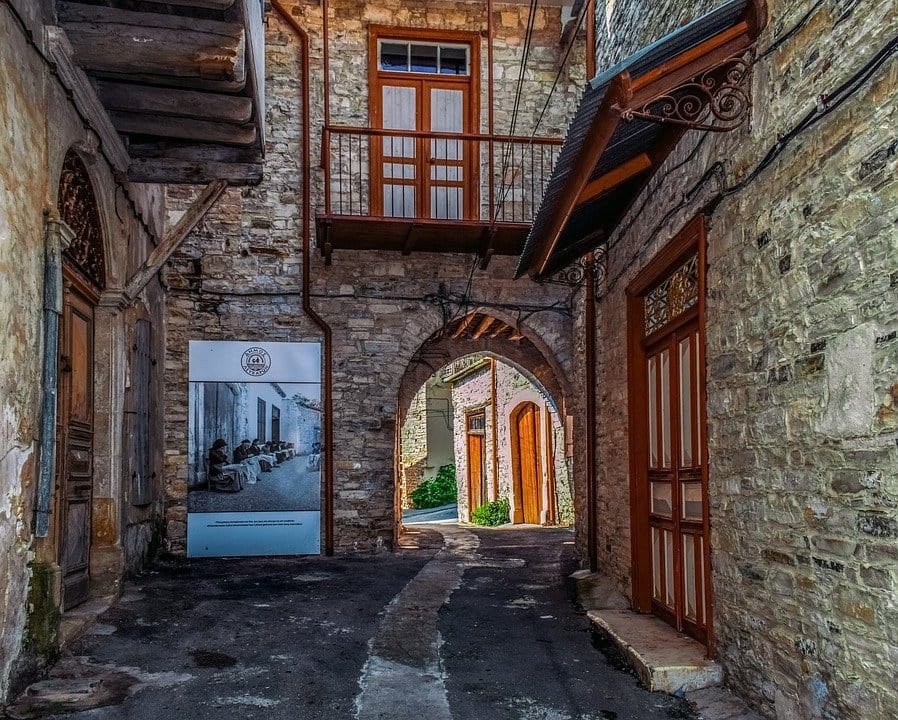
{"x": 417, "y": 176}
{"x": 75, "y": 443}
{"x": 677, "y": 480}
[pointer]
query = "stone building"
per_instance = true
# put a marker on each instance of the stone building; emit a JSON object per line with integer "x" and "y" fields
{"x": 82, "y": 347}
{"x": 391, "y": 309}
{"x": 426, "y": 442}
{"x": 745, "y": 333}
{"x": 707, "y": 261}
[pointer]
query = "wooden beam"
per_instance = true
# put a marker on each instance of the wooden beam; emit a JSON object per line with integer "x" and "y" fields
{"x": 156, "y": 48}
{"x": 599, "y": 134}
{"x": 211, "y": 107}
{"x": 186, "y": 172}
{"x": 184, "y": 128}
{"x": 483, "y": 327}
{"x": 254, "y": 30}
{"x": 501, "y": 329}
{"x": 221, "y": 5}
{"x": 163, "y": 251}
{"x": 613, "y": 178}
{"x": 463, "y": 325}
{"x": 85, "y": 97}
{"x": 193, "y": 152}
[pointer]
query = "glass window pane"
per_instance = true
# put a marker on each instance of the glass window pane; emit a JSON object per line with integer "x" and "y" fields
{"x": 394, "y": 56}
{"x": 656, "y": 564}
{"x": 698, "y": 400}
{"x": 424, "y": 58}
{"x": 653, "y": 417}
{"x": 703, "y": 618}
{"x": 661, "y": 499}
{"x": 453, "y": 61}
{"x": 400, "y": 111}
{"x": 446, "y": 111}
{"x": 665, "y": 409}
{"x": 689, "y": 583}
{"x": 686, "y": 418}
{"x": 668, "y": 568}
{"x": 692, "y": 501}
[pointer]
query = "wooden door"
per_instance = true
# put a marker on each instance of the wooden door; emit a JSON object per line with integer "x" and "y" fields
{"x": 527, "y": 464}
{"x": 139, "y": 463}
{"x": 668, "y": 451}
{"x": 675, "y": 472}
{"x": 476, "y": 458}
{"x": 415, "y": 175}
{"x": 76, "y": 442}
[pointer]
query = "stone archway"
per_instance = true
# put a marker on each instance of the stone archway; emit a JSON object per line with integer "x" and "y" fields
{"x": 480, "y": 332}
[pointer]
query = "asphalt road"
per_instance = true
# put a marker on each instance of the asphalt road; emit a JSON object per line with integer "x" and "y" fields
{"x": 479, "y": 625}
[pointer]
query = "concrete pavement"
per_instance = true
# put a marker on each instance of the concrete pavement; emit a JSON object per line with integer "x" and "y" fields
{"x": 479, "y": 625}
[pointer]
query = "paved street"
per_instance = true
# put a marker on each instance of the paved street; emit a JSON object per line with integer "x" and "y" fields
{"x": 472, "y": 624}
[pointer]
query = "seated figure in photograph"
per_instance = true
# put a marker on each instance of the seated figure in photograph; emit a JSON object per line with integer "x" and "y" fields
{"x": 265, "y": 458}
{"x": 243, "y": 456}
{"x": 224, "y": 476}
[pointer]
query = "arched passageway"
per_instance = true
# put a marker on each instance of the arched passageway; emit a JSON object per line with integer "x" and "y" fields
{"x": 499, "y": 396}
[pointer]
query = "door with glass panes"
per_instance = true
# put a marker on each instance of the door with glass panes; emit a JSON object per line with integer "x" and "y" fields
{"x": 424, "y": 87}
{"x": 671, "y": 505}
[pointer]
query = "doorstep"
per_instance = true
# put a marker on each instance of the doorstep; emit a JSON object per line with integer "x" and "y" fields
{"x": 662, "y": 658}
{"x": 79, "y": 619}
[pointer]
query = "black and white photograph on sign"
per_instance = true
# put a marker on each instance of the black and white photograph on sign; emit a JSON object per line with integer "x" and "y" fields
{"x": 254, "y": 447}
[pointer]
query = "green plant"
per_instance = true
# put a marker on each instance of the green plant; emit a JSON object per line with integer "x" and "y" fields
{"x": 492, "y": 513}
{"x": 439, "y": 490}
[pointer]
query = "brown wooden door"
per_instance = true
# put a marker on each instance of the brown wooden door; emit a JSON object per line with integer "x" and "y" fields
{"x": 415, "y": 176}
{"x": 676, "y": 472}
{"x": 76, "y": 443}
{"x": 668, "y": 450}
{"x": 527, "y": 463}
{"x": 476, "y": 447}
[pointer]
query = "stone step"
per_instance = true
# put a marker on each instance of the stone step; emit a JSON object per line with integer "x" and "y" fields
{"x": 662, "y": 658}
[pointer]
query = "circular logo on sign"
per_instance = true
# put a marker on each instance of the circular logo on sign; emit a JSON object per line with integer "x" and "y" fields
{"x": 256, "y": 361}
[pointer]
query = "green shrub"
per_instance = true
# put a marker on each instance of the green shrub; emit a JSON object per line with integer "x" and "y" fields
{"x": 492, "y": 513}
{"x": 439, "y": 490}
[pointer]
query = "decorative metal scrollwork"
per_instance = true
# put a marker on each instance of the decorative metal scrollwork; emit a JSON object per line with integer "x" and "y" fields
{"x": 574, "y": 275}
{"x": 718, "y": 100}
{"x": 78, "y": 209}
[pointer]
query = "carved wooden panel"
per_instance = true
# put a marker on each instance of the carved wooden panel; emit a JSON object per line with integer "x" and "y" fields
{"x": 78, "y": 209}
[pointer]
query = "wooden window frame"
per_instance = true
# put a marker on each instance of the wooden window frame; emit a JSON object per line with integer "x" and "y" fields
{"x": 690, "y": 240}
{"x": 377, "y": 78}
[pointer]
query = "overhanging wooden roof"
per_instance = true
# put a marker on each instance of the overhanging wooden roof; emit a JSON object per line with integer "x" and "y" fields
{"x": 629, "y": 120}
{"x": 178, "y": 84}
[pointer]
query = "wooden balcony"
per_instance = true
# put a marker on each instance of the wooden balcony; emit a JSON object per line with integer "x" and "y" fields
{"x": 413, "y": 191}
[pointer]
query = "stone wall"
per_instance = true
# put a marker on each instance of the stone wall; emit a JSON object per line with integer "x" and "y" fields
{"x": 238, "y": 274}
{"x": 40, "y": 126}
{"x": 802, "y": 360}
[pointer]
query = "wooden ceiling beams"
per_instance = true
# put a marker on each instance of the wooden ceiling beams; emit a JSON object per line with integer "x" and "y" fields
{"x": 182, "y": 83}
{"x": 477, "y": 326}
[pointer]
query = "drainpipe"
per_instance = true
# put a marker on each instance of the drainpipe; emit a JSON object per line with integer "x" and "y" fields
{"x": 57, "y": 237}
{"x": 590, "y": 322}
{"x": 306, "y": 275}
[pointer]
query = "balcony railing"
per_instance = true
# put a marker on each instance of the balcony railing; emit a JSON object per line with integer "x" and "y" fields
{"x": 454, "y": 177}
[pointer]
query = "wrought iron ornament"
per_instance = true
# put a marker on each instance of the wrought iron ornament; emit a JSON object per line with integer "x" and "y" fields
{"x": 574, "y": 275}
{"x": 677, "y": 294}
{"x": 718, "y": 100}
{"x": 78, "y": 209}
